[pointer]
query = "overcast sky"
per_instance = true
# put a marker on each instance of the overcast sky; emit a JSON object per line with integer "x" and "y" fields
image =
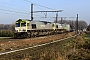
{"x": 11, "y": 10}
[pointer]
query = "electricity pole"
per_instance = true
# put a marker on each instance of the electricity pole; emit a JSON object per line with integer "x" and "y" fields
{"x": 31, "y": 11}
{"x": 77, "y": 24}
{"x": 62, "y": 18}
{"x": 44, "y": 11}
{"x": 56, "y": 17}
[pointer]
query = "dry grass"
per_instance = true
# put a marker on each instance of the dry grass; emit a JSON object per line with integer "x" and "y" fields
{"x": 78, "y": 49}
{"x": 72, "y": 49}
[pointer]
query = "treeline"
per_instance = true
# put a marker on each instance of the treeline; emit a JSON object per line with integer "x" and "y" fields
{"x": 7, "y": 30}
{"x": 88, "y": 28}
{"x": 81, "y": 24}
{"x": 6, "y": 26}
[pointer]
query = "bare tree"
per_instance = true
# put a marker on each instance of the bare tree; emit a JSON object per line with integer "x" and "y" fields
{"x": 81, "y": 24}
{"x": 6, "y": 26}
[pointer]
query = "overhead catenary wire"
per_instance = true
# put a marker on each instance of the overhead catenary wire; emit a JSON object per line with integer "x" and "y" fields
{"x": 25, "y": 9}
{"x": 38, "y": 15}
{"x": 13, "y": 11}
{"x": 45, "y": 7}
{"x": 35, "y": 4}
{"x": 41, "y": 9}
{"x": 8, "y": 13}
{"x": 4, "y": 8}
{"x": 39, "y": 5}
{"x": 21, "y": 11}
{"x": 12, "y": 8}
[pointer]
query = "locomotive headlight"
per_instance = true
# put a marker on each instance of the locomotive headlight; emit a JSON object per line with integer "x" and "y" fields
{"x": 19, "y": 29}
{"x": 16, "y": 30}
{"x": 24, "y": 30}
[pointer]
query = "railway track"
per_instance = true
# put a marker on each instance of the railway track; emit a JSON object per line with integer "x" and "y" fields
{"x": 17, "y": 39}
{"x": 36, "y": 45}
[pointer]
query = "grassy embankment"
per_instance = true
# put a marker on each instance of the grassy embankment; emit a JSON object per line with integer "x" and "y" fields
{"x": 77, "y": 48}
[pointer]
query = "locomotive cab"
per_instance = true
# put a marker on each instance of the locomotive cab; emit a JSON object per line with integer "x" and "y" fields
{"x": 21, "y": 25}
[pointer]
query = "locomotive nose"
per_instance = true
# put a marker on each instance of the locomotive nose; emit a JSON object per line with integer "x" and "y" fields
{"x": 16, "y": 31}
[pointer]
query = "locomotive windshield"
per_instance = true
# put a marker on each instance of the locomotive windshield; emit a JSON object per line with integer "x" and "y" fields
{"x": 23, "y": 24}
{"x": 17, "y": 24}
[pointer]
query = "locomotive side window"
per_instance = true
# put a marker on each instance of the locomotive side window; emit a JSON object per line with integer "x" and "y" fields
{"x": 56, "y": 26}
{"x": 52, "y": 25}
{"x": 33, "y": 26}
{"x": 27, "y": 24}
{"x": 17, "y": 24}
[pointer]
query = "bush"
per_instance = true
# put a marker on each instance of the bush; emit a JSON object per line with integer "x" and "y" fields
{"x": 87, "y": 45}
{"x": 6, "y": 33}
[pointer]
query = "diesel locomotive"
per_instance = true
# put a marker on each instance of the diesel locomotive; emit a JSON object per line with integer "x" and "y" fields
{"x": 29, "y": 28}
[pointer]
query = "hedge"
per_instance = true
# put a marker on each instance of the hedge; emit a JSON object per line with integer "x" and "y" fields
{"x": 6, "y": 33}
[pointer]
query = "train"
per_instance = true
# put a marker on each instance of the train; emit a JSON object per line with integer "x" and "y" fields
{"x": 29, "y": 28}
